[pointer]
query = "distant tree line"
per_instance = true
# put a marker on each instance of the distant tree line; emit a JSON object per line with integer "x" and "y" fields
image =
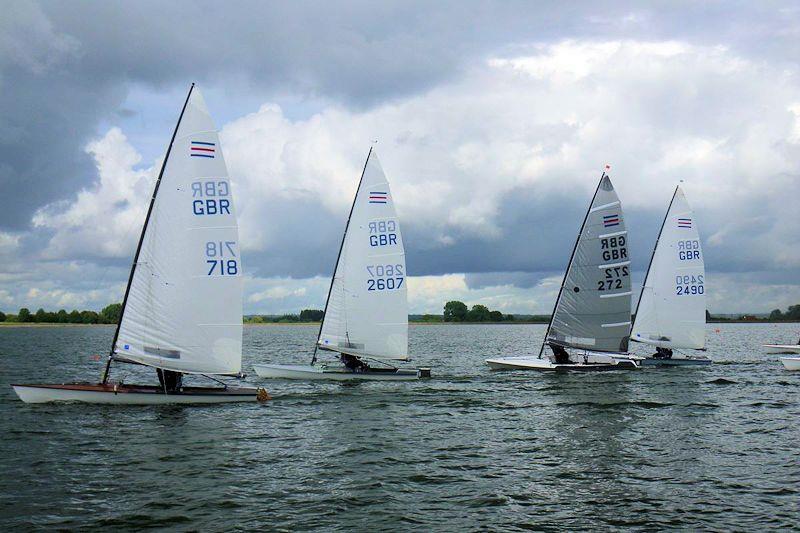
{"x": 306, "y": 315}
{"x": 793, "y": 313}
{"x": 109, "y": 315}
{"x": 455, "y": 311}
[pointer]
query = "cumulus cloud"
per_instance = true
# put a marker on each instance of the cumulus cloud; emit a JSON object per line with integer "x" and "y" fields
{"x": 105, "y": 219}
{"x": 540, "y": 126}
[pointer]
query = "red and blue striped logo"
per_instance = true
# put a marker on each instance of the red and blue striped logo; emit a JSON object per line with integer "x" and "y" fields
{"x": 378, "y": 197}
{"x": 202, "y": 149}
{"x": 609, "y": 221}
{"x": 685, "y": 223}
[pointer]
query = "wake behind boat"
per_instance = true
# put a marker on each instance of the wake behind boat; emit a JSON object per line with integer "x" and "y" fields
{"x": 182, "y": 310}
{"x": 366, "y": 313}
{"x": 589, "y": 327}
{"x": 671, "y": 312}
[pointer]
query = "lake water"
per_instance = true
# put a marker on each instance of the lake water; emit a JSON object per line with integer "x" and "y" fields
{"x": 700, "y": 448}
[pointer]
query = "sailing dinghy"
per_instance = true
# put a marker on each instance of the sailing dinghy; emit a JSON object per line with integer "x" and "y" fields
{"x": 789, "y": 363}
{"x": 588, "y": 330}
{"x": 671, "y": 313}
{"x": 366, "y": 312}
{"x": 182, "y": 310}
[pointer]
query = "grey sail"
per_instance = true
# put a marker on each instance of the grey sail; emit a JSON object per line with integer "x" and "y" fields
{"x": 593, "y": 311}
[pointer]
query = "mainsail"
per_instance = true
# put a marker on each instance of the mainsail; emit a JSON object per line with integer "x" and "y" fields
{"x": 593, "y": 309}
{"x": 672, "y": 307}
{"x": 183, "y": 306}
{"x": 367, "y": 309}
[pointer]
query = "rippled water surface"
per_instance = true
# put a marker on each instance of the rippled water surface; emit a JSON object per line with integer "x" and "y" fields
{"x": 699, "y": 448}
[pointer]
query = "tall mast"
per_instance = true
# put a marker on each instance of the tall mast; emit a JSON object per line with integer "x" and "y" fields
{"x": 569, "y": 264}
{"x": 339, "y": 256}
{"x": 652, "y": 256}
{"x": 141, "y": 237}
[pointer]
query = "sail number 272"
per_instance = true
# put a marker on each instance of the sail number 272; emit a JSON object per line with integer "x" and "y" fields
{"x": 222, "y": 259}
{"x": 613, "y": 278}
{"x": 385, "y": 277}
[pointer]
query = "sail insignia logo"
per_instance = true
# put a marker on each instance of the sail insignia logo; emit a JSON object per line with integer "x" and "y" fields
{"x": 377, "y": 197}
{"x": 609, "y": 221}
{"x": 685, "y": 223}
{"x": 202, "y": 149}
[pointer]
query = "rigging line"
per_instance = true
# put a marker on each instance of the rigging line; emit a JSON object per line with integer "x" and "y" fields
{"x": 141, "y": 237}
{"x": 339, "y": 256}
{"x": 215, "y": 379}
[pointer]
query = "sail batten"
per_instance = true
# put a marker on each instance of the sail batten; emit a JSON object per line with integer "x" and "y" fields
{"x": 671, "y": 312}
{"x": 183, "y": 305}
{"x": 593, "y": 308}
{"x": 367, "y": 308}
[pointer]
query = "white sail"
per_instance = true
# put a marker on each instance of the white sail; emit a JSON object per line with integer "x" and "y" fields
{"x": 593, "y": 311}
{"x": 672, "y": 307}
{"x": 183, "y": 311}
{"x": 367, "y": 310}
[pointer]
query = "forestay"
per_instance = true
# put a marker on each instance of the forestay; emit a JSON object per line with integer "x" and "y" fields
{"x": 593, "y": 310}
{"x": 367, "y": 310}
{"x": 183, "y": 311}
{"x": 672, "y": 307}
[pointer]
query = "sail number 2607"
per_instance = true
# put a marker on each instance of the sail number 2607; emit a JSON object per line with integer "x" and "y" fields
{"x": 222, "y": 258}
{"x": 385, "y": 277}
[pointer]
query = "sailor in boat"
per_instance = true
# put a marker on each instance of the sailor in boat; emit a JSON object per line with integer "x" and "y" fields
{"x": 560, "y": 355}
{"x": 662, "y": 353}
{"x": 170, "y": 381}
{"x": 353, "y": 363}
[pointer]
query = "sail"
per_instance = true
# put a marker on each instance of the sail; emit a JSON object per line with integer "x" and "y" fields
{"x": 367, "y": 310}
{"x": 593, "y": 310}
{"x": 183, "y": 309}
{"x": 672, "y": 307}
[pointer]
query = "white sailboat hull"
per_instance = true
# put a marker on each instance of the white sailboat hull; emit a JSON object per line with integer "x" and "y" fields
{"x": 791, "y": 363}
{"x": 337, "y": 373}
{"x": 134, "y": 394}
{"x": 782, "y": 348}
{"x": 546, "y": 365}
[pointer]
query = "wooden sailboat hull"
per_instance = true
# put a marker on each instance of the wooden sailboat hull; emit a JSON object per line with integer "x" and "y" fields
{"x": 134, "y": 394}
{"x": 782, "y": 348}
{"x": 677, "y": 361}
{"x": 337, "y": 373}
{"x": 545, "y": 365}
{"x": 791, "y": 363}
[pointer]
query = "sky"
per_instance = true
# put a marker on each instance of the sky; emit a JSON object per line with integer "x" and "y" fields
{"x": 493, "y": 122}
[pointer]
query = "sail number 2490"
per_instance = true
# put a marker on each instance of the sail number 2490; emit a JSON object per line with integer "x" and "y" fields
{"x": 689, "y": 284}
{"x": 385, "y": 277}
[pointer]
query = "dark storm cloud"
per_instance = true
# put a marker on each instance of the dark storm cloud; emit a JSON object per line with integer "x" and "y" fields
{"x": 67, "y": 66}
{"x": 538, "y": 232}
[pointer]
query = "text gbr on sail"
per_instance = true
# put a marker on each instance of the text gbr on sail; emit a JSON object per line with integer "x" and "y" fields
{"x": 688, "y": 250}
{"x": 614, "y": 248}
{"x": 382, "y": 233}
{"x": 211, "y": 197}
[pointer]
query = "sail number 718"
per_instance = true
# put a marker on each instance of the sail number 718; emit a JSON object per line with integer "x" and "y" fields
{"x": 222, "y": 258}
